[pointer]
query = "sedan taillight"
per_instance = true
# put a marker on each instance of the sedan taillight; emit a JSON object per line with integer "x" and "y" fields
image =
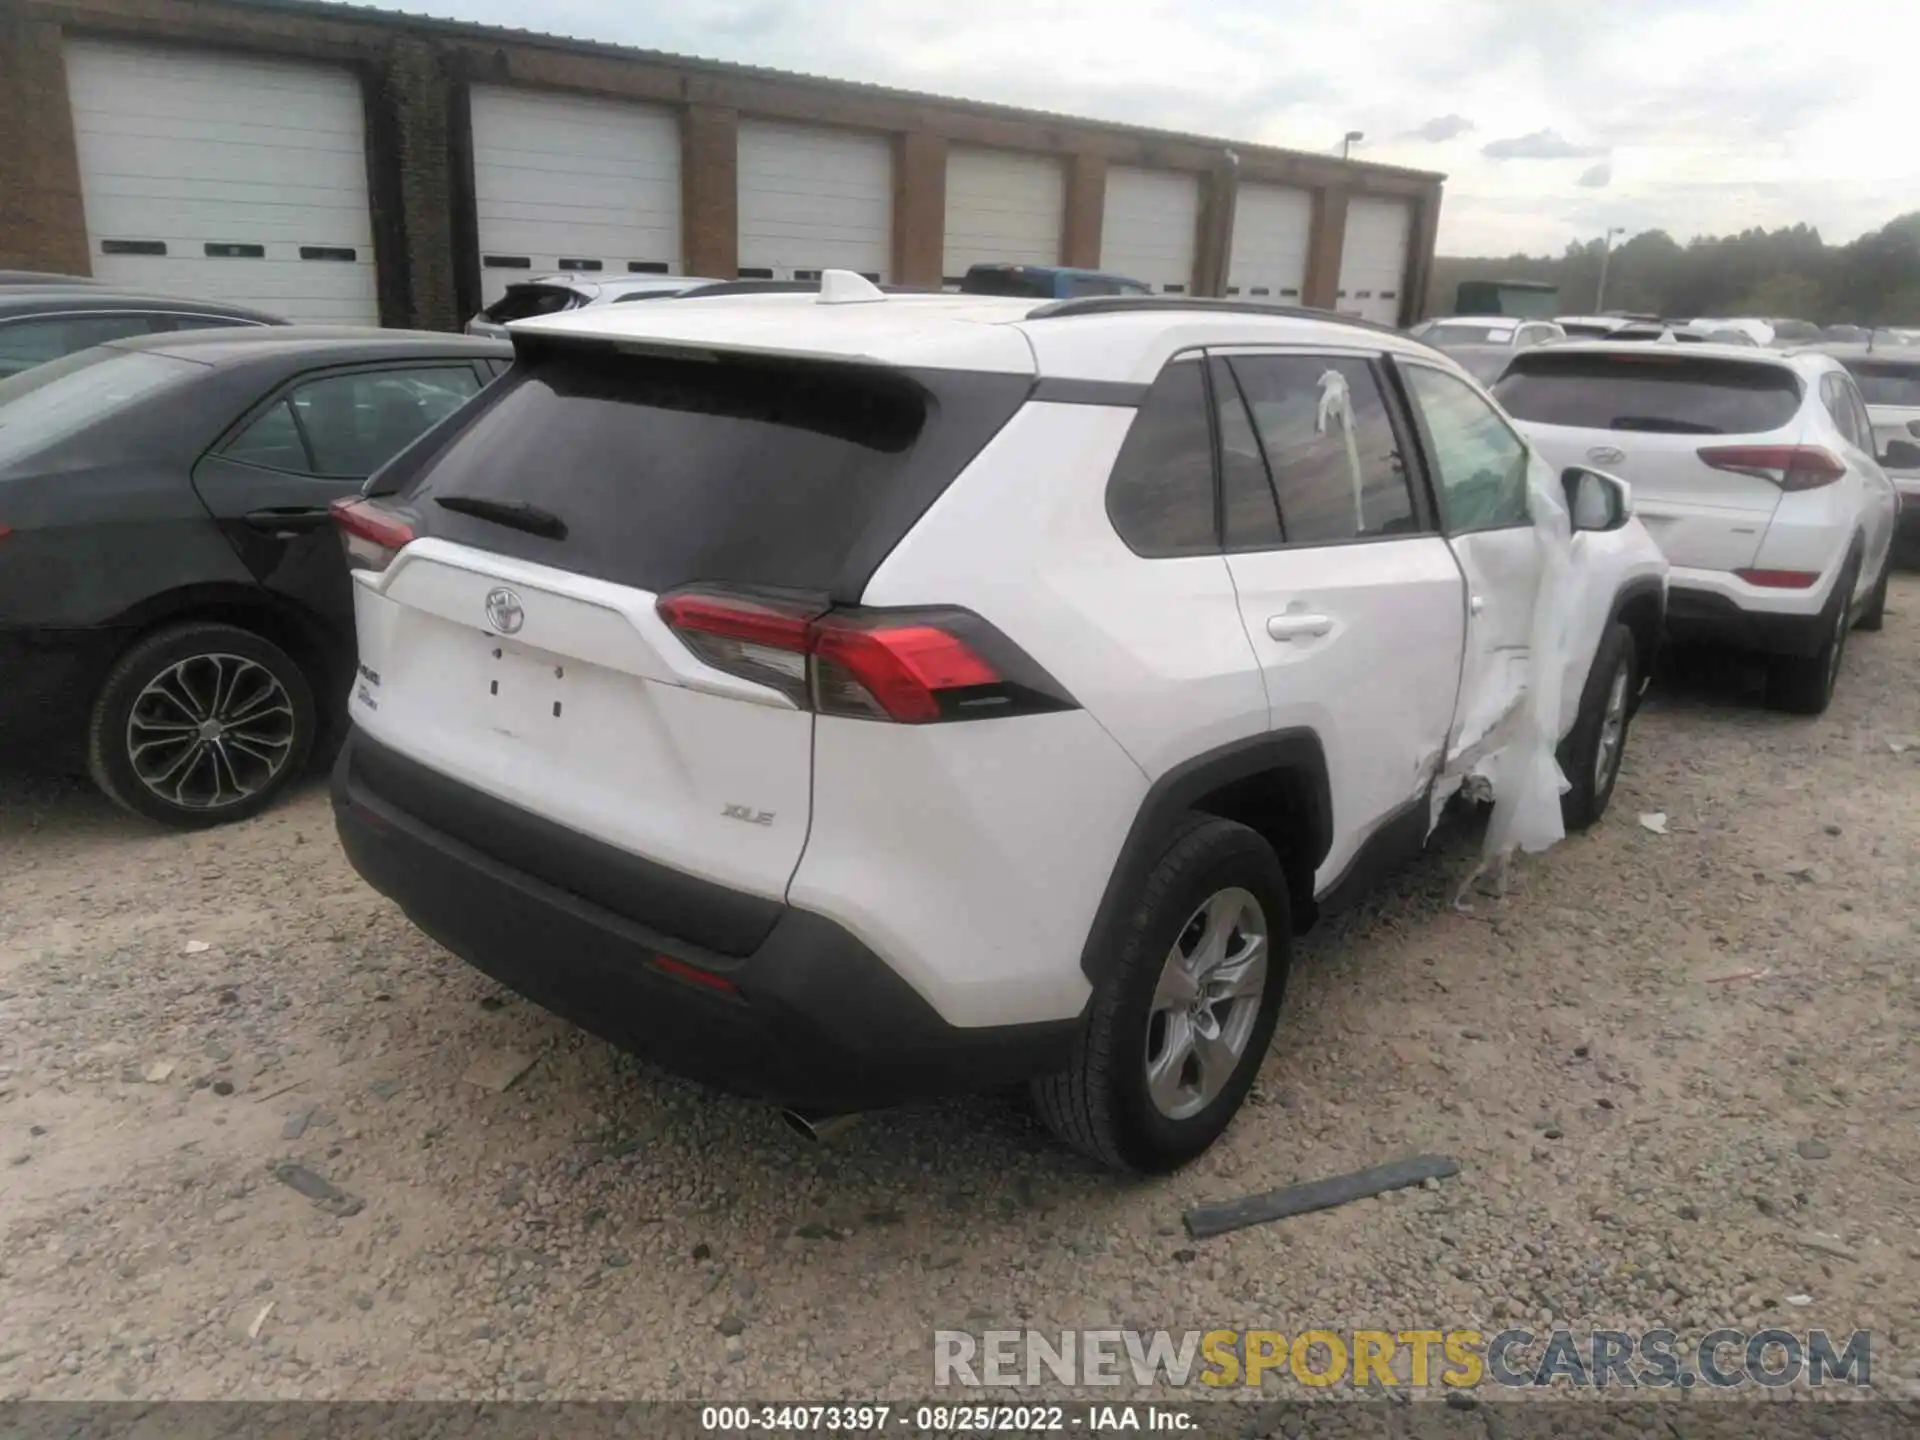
{"x": 371, "y": 533}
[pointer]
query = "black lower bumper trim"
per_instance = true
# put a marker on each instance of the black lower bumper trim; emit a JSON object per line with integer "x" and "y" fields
{"x": 1704, "y": 616}
{"x": 817, "y": 1022}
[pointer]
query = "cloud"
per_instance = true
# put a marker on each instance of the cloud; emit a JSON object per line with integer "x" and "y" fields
{"x": 1540, "y": 145}
{"x": 1441, "y": 128}
{"x": 1595, "y": 177}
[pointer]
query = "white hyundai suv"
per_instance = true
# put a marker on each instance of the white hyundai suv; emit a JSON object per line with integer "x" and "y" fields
{"x": 1757, "y": 473}
{"x": 850, "y": 698}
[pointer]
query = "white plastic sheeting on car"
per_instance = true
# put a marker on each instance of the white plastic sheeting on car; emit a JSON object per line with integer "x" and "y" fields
{"x": 1518, "y": 761}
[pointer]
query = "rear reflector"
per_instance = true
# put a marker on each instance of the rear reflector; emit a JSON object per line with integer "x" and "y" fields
{"x": 1780, "y": 579}
{"x": 694, "y": 975}
{"x": 1791, "y": 467}
{"x": 911, "y": 667}
{"x": 371, "y": 533}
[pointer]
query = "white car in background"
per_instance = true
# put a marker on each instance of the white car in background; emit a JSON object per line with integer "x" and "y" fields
{"x": 574, "y": 290}
{"x": 1757, "y": 473}
{"x": 1889, "y": 382}
{"x": 1487, "y": 330}
{"x": 1590, "y": 327}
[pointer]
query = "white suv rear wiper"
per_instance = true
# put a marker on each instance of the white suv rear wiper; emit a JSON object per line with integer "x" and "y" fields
{"x": 517, "y": 514}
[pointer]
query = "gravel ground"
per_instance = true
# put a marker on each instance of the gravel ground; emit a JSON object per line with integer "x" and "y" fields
{"x": 1644, "y": 1139}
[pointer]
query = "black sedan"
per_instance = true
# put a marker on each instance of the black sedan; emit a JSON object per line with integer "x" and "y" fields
{"x": 175, "y": 611}
{"x": 44, "y": 318}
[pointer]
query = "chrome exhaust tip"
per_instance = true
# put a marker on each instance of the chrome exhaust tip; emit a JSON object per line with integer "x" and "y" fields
{"x": 820, "y": 1128}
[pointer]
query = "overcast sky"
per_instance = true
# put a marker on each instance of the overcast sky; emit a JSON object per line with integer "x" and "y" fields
{"x": 1552, "y": 119}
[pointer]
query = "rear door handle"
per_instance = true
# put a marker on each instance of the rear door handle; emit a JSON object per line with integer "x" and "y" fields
{"x": 1293, "y": 625}
{"x": 293, "y": 520}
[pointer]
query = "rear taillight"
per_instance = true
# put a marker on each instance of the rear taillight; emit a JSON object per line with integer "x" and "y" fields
{"x": 1791, "y": 467}
{"x": 912, "y": 667}
{"x": 371, "y": 533}
{"x": 1780, "y": 579}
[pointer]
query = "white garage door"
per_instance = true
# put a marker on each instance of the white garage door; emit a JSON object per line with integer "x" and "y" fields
{"x": 813, "y": 199}
{"x": 563, "y": 182}
{"x": 1002, "y": 206}
{"x": 1148, "y": 226}
{"x": 1373, "y": 263}
{"x": 232, "y": 179}
{"x": 1272, "y": 225}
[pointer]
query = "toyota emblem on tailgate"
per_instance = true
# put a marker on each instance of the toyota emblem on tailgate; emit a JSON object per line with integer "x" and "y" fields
{"x": 504, "y": 612}
{"x": 1602, "y": 455}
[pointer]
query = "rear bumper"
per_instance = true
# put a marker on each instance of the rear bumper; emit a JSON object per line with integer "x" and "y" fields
{"x": 1909, "y": 523}
{"x": 1695, "y": 616}
{"x": 48, "y": 680}
{"x": 815, "y": 1020}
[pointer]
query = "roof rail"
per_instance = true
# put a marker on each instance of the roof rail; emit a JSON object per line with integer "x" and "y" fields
{"x": 1120, "y": 304}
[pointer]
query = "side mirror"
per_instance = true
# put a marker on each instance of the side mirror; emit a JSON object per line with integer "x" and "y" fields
{"x": 1901, "y": 455}
{"x": 1595, "y": 499}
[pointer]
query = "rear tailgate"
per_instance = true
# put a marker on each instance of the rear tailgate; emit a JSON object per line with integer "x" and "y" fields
{"x": 1645, "y": 415}
{"x": 514, "y": 646}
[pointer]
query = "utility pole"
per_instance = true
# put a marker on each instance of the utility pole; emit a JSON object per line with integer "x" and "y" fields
{"x": 1606, "y": 253}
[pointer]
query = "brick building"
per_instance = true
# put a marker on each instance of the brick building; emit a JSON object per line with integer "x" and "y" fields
{"x": 339, "y": 163}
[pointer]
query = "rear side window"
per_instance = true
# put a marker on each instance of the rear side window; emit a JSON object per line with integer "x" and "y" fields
{"x": 1658, "y": 392}
{"x": 523, "y": 302}
{"x": 1887, "y": 384}
{"x": 664, "y": 471}
{"x": 1330, "y": 446}
{"x": 1160, "y": 495}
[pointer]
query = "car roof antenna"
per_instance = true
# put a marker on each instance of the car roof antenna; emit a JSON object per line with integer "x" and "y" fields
{"x": 847, "y": 287}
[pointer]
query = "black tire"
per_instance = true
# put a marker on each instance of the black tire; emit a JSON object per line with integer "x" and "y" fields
{"x": 1616, "y": 662}
{"x": 1101, "y": 1104}
{"x": 1803, "y": 684}
{"x": 214, "y": 782}
{"x": 1874, "y": 616}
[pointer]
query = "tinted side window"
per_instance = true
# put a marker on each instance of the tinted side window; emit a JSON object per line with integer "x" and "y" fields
{"x": 202, "y": 322}
{"x": 355, "y": 423}
{"x": 26, "y": 343}
{"x": 1160, "y": 496}
{"x": 272, "y": 441}
{"x": 1330, "y": 446}
{"x": 1481, "y": 463}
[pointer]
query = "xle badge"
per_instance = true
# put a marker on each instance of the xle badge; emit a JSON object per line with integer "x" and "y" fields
{"x": 748, "y": 814}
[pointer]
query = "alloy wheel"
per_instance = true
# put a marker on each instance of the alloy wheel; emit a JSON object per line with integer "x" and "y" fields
{"x": 1206, "y": 1003}
{"x": 209, "y": 731}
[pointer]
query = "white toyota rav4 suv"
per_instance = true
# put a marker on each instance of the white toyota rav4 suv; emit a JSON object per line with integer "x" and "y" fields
{"x": 1756, "y": 471}
{"x": 848, "y": 699}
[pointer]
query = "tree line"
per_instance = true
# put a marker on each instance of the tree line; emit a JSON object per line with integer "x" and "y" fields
{"x": 1790, "y": 272}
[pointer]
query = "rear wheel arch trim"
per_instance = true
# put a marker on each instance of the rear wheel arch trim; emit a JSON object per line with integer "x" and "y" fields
{"x": 1294, "y": 752}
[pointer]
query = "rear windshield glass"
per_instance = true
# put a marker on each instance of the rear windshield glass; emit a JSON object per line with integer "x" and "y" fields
{"x": 523, "y": 302}
{"x": 771, "y": 473}
{"x": 1884, "y": 384}
{"x": 1669, "y": 393}
{"x": 49, "y": 403}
